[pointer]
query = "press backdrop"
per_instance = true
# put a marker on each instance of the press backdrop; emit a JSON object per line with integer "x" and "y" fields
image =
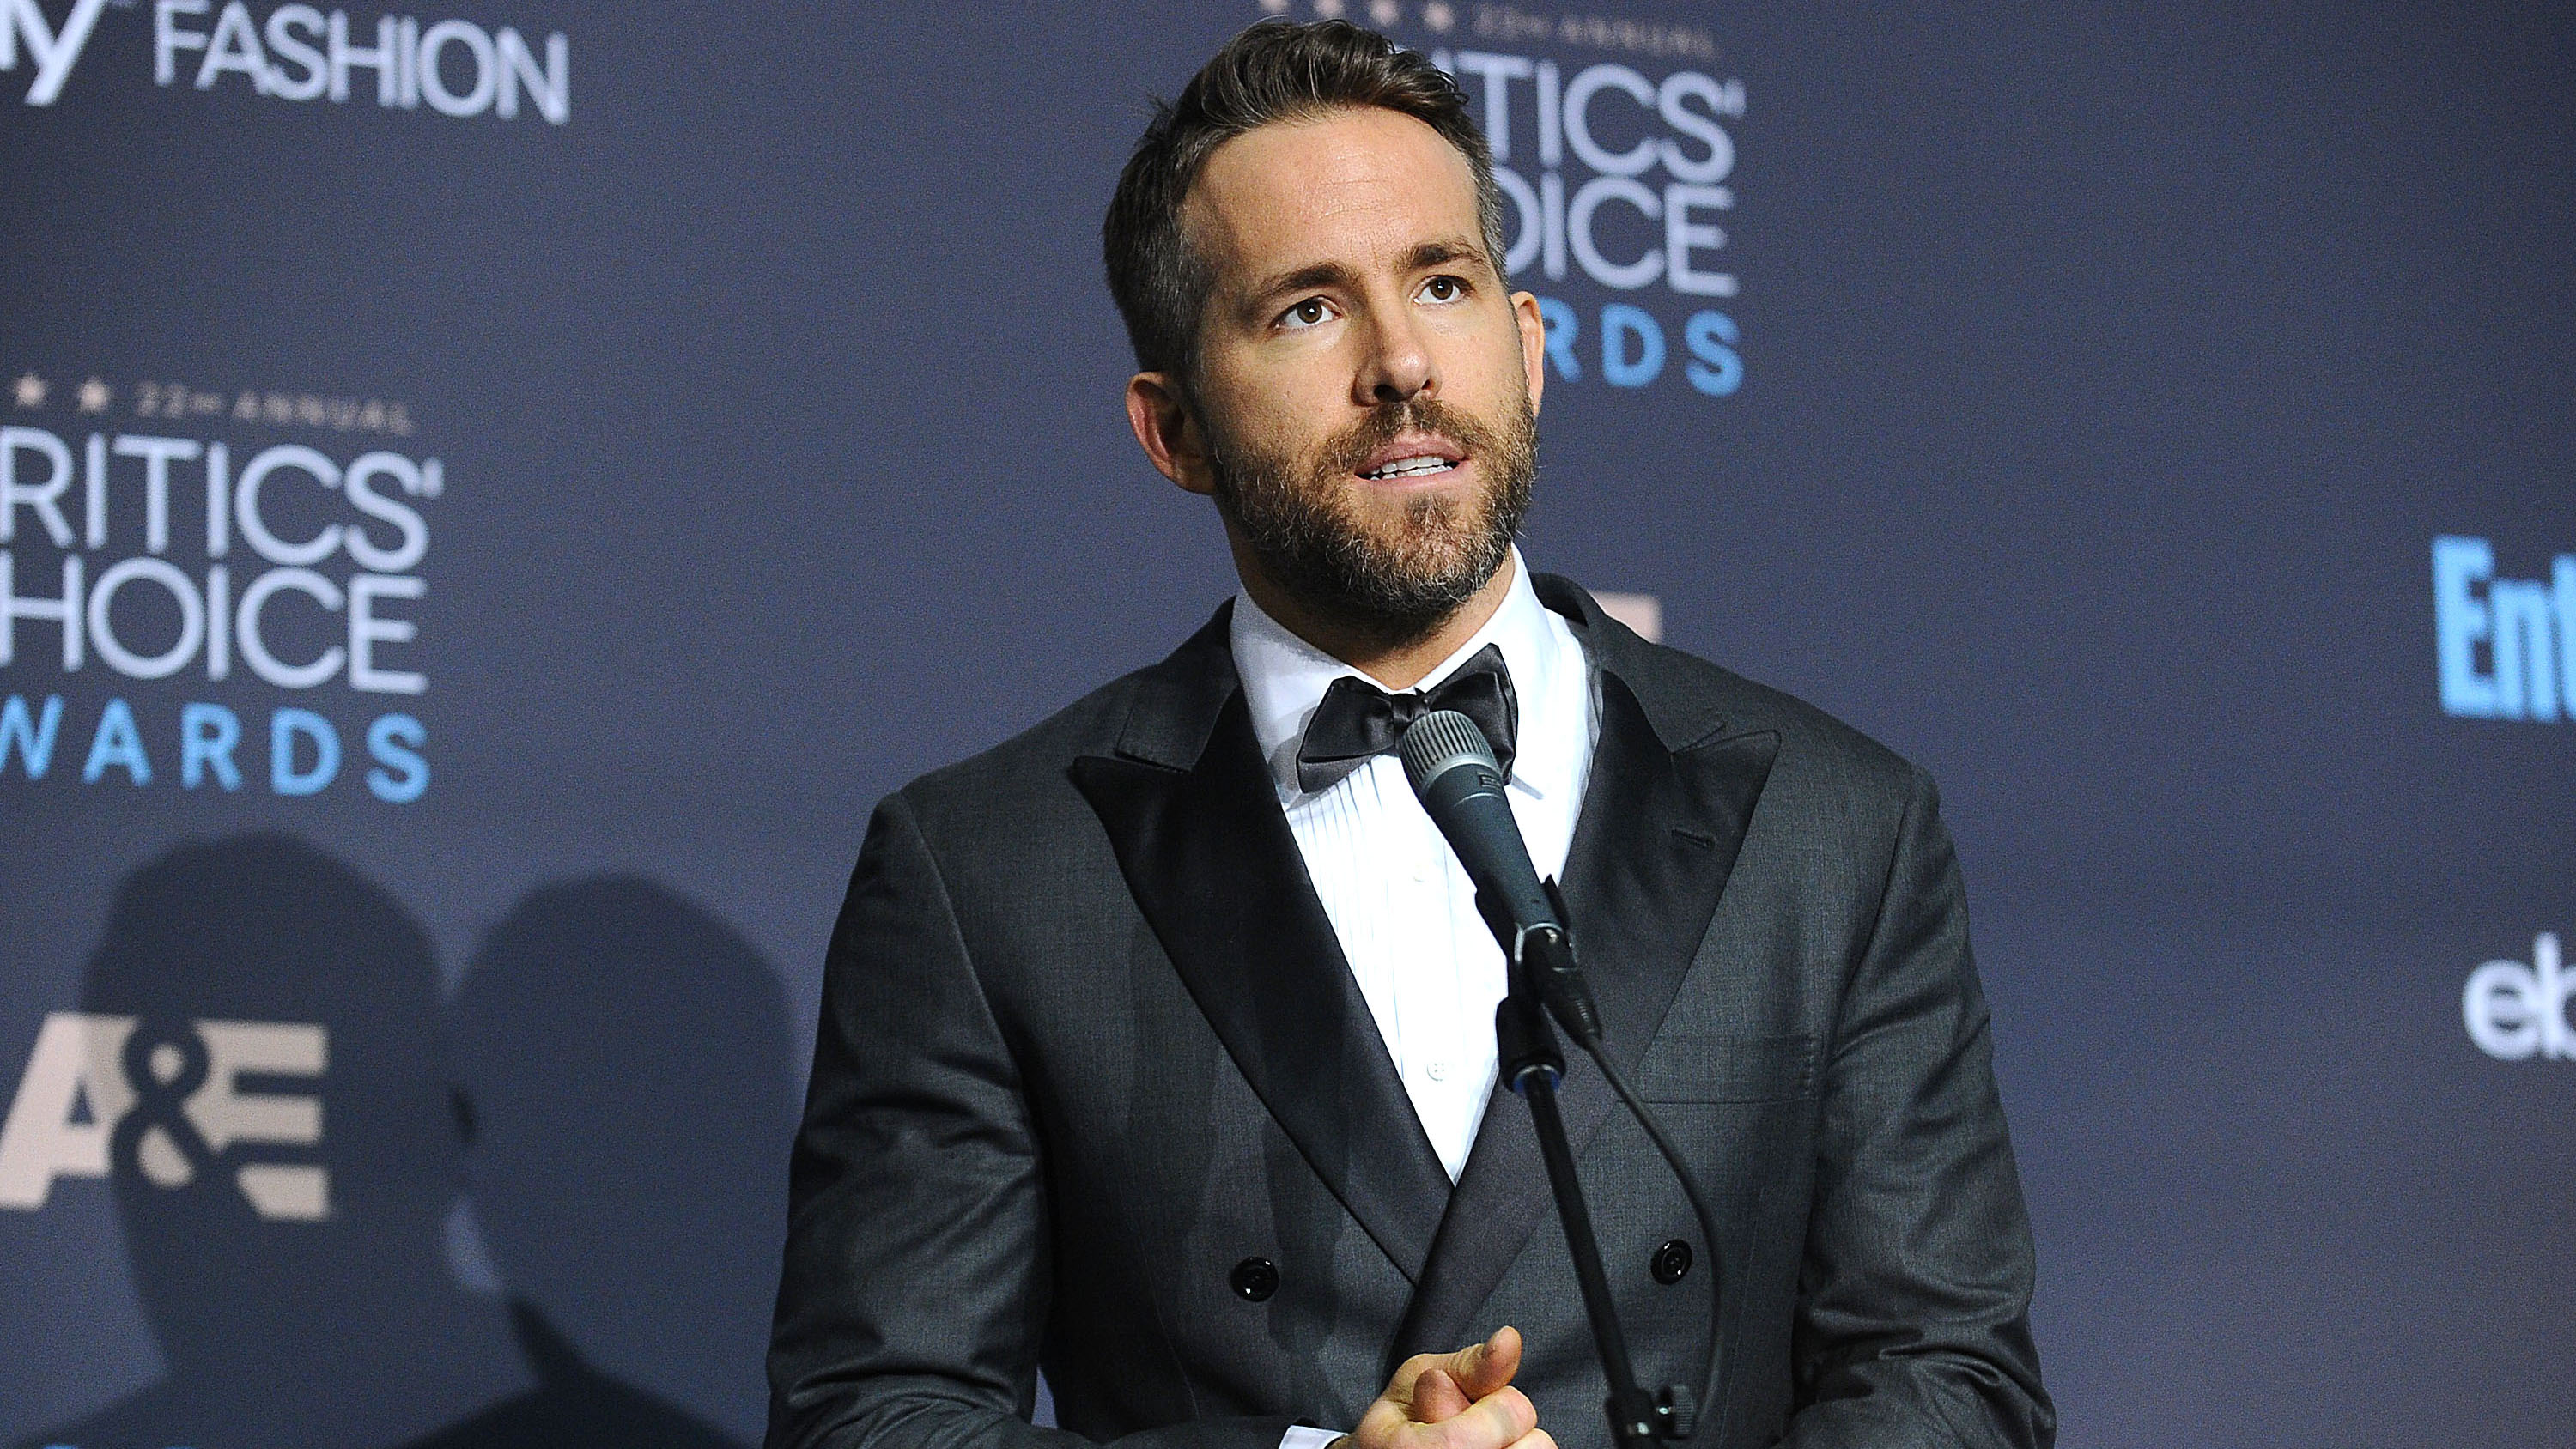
{"x": 490, "y": 496}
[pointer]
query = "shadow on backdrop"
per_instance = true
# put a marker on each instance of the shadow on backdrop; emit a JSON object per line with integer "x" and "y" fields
{"x": 288, "y": 1159}
{"x": 626, "y": 1061}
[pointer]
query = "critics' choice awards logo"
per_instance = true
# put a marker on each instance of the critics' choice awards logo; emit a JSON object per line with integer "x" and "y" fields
{"x": 166, "y": 1103}
{"x": 307, "y": 567}
{"x": 300, "y": 53}
{"x": 1617, "y": 179}
{"x": 2506, "y": 648}
{"x": 2517, "y": 1010}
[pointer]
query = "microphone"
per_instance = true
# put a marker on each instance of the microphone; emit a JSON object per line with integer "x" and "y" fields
{"x": 1455, "y": 775}
{"x": 1460, "y": 784}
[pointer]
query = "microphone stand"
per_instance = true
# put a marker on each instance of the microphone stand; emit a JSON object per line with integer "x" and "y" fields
{"x": 1532, "y": 1065}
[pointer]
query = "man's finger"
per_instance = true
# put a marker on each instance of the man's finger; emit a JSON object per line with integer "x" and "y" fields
{"x": 1496, "y": 1421}
{"x": 1488, "y": 1366}
{"x": 1436, "y": 1396}
{"x": 1534, "y": 1439}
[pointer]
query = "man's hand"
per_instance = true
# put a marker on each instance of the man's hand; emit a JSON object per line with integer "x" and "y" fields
{"x": 1461, "y": 1400}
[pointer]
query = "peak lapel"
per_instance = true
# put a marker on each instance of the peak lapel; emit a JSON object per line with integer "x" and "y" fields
{"x": 1196, "y": 825}
{"x": 1656, "y": 840}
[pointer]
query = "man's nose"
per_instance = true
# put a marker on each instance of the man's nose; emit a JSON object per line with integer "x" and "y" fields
{"x": 1399, "y": 365}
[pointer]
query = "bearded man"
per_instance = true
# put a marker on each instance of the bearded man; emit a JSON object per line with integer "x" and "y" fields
{"x": 1157, "y": 1047}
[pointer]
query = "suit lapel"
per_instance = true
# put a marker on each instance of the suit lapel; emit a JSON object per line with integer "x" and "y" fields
{"x": 1196, "y": 825}
{"x": 1657, "y": 838}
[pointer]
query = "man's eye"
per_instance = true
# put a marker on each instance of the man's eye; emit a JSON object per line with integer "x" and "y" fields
{"x": 1306, "y": 313}
{"x": 1444, "y": 289}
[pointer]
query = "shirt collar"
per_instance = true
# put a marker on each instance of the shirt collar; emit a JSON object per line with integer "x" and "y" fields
{"x": 1284, "y": 677}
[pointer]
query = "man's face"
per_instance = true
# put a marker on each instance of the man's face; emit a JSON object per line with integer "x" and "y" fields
{"x": 1366, "y": 388}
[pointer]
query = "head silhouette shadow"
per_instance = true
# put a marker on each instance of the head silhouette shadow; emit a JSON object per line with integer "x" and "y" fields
{"x": 291, "y": 1152}
{"x": 626, "y": 1063}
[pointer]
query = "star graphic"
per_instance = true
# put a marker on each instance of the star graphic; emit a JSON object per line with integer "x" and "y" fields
{"x": 1384, "y": 12}
{"x": 1438, "y": 15}
{"x": 94, "y": 396}
{"x": 1329, "y": 9}
{"x": 31, "y": 391}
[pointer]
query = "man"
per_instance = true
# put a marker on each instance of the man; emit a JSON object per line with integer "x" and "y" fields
{"x": 1156, "y": 1045}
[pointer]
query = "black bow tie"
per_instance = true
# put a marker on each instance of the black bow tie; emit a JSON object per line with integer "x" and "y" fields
{"x": 1358, "y": 720}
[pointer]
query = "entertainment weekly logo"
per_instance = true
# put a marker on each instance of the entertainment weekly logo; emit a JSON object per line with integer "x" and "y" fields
{"x": 299, "y": 53}
{"x": 1614, "y": 142}
{"x": 2505, "y": 648}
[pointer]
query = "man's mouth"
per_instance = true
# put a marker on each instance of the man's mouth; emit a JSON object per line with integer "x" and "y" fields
{"x": 1408, "y": 458}
{"x": 1415, "y": 467}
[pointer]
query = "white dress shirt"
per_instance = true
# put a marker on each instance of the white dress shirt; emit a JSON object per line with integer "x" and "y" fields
{"x": 1398, "y": 900}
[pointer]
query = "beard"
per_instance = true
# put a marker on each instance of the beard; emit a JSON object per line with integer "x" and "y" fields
{"x": 1392, "y": 579}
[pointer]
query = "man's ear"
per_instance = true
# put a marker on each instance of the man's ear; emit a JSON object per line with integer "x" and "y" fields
{"x": 1168, "y": 431}
{"x": 1533, "y": 325}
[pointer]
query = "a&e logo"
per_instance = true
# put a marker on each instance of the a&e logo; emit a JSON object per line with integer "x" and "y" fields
{"x": 162, "y": 1101}
{"x": 2516, "y": 1011}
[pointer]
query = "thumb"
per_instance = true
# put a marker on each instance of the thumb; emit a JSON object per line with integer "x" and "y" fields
{"x": 1485, "y": 1368}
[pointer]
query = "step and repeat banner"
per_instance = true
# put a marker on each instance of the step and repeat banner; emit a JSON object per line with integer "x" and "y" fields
{"x": 491, "y": 494}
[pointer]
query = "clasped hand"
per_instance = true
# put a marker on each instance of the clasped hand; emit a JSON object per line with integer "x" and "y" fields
{"x": 1462, "y": 1400}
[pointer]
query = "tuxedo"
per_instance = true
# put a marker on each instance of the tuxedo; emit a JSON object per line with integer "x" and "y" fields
{"x": 1094, "y": 1089}
{"x": 1402, "y": 907}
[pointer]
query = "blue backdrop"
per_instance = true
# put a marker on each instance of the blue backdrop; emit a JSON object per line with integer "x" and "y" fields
{"x": 489, "y": 497}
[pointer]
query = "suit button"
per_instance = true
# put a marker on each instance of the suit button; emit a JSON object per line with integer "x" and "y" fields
{"x": 1670, "y": 1262}
{"x": 1254, "y": 1280}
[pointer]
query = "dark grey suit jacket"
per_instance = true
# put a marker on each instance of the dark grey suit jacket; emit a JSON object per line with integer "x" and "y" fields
{"x": 1088, "y": 1043}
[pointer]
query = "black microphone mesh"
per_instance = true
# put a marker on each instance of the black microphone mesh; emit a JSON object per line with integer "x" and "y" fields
{"x": 1440, "y": 741}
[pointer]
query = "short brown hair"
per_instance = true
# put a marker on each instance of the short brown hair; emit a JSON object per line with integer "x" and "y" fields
{"x": 1274, "y": 71}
